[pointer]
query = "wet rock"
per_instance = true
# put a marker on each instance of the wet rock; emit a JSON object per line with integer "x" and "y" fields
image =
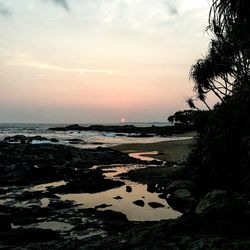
{"x": 76, "y": 141}
{"x": 28, "y": 195}
{"x": 91, "y": 182}
{"x": 152, "y": 175}
{"x": 29, "y": 235}
{"x": 24, "y": 164}
{"x": 221, "y": 203}
{"x": 5, "y": 221}
{"x": 29, "y": 214}
{"x": 179, "y": 184}
{"x": 3, "y": 190}
{"x": 54, "y": 140}
{"x": 155, "y": 204}
{"x": 139, "y": 203}
{"x": 27, "y": 139}
{"x": 60, "y": 204}
{"x": 182, "y": 200}
{"x": 16, "y": 139}
{"x": 151, "y": 188}
{"x": 102, "y": 206}
{"x": 111, "y": 220}
{"x": 211, "y": 243}
{"x": 128, "y": 189}
{"x": 117, "y": 197}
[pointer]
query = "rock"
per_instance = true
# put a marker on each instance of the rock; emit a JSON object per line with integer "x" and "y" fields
{"x": 59, "y": 204}
{"x": 24, "y": 164}
{"x": 221, "y": 203}
{"x": 22, "y": 139}
{"x": 91, "y": 182}
{"x": 151, "y": 188}
{"x": 128, "y": 129}
{"x": 139, "y": 203}
{"x": 179, "y": 184}
{"x": 182, "y": 200}
{"x": 185, "y": 240}
{"x": 5, "y": 222}
{"x": 16, "y": 138}
{"x": 74, "y": 127}
{"x": 102, "y": 206}
{"x": 54, "y": 140}
{"x": 155, "y": 204}
{"x": 117, "y": 197}
{"x": 33, "y": 235}
{"x": 128, "y": 189}
{"x": 28, "y": 195}
{"x": 75, "y": 141}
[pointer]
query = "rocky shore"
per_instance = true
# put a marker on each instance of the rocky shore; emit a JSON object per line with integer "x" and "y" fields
{"x": 33, "y": 216}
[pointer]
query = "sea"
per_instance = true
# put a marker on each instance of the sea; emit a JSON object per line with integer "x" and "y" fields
{"x": 87, "y": 139}
{"x": 92, "y": 139}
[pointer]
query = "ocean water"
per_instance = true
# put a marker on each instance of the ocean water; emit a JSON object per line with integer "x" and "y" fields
{"x": 90, "y": 139}
{"x": 125, "y": 204}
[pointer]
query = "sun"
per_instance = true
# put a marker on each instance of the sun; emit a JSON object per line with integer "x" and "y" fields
{"x": 123, "y": 120}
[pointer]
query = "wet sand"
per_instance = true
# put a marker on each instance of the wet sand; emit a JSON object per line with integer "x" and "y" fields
{"x": 170, "y": 151}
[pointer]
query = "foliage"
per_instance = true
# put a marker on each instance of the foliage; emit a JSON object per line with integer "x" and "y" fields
{"x": 190, "y": 119}
{"x": 226, "y": 65}
{"x": 220, "y": 156}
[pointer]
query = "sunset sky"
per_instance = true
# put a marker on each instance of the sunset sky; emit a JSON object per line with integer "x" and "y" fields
{"x": 98, "y": 61}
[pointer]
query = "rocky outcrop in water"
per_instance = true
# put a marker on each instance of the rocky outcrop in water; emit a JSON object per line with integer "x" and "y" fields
{"x": 27, "y": 139}
{"x": 128, "y": 129}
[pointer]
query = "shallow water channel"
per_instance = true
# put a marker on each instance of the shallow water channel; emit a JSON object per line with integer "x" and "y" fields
{"x": 121, "y": 200}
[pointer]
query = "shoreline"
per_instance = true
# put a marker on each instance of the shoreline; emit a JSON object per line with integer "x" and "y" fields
{"x": 169, "y": 151}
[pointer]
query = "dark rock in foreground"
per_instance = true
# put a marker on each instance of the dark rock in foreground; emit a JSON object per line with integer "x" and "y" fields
{"x": 182, "y": 200}
{"x": 139, "y": 203}
{"x": 128, "y": 189}
{"x": 220, "y": 203}
{"x": 155, "y": 204}
{"x": 31, "y": 235}
{"x": 59, "y": 204}
{"x": 23, "y": 164}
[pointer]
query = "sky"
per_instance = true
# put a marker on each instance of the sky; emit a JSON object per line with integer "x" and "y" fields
{"x": 98, "y": 61}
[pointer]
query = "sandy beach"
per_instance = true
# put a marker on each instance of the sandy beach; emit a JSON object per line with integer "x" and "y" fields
{"x": 170, "y": 151}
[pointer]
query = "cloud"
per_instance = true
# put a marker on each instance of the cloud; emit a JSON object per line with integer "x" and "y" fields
{"x": 172, "y": 6}
{"x": 4, "y": 10}
{"x": 62, "y": 3}
{"x": 45, "y": 66}
{"x": 135, "y": 14}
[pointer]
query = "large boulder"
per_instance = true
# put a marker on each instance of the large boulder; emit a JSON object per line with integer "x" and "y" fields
{"x": 182, "y": 200}
{"x": 179, "y": 184}
{"x": 221, "y": 203}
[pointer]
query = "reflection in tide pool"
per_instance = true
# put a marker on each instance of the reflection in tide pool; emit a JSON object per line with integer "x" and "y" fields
{"x": 144, "y": 156}
{"x": 42, "y": 187}
{"x": 124, "y": 203}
